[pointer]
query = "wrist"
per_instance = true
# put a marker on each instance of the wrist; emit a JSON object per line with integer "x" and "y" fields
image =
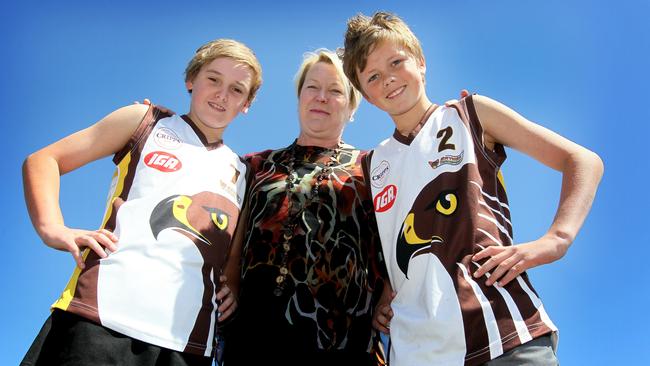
{"x": 561, "y": 241}
{"x": 47, "y": 233}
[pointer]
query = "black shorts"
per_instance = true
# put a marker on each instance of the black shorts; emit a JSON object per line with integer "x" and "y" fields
{"x": 70, "y": 340}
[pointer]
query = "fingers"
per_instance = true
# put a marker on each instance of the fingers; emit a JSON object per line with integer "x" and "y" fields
{"x": 381, "y": 319}
{"x": 494, "y": 255}
{"x": 512, "y": 273}
{"x": 506, "y": 263}
{"x": 145, "y": 102}
{"x": 450, "y": 102}
{"x": 91, "y": 243}
{"x": 224, "y": 292}
{"x": 76, "y": 254}
{"x": 227, "y": 302}
{"x": 100, "y": 241}
{"x": 106, "y": 239}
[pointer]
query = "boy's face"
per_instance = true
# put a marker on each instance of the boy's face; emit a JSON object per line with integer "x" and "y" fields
{"x": 219, "y": 92}
{"x": 393, "y": 80}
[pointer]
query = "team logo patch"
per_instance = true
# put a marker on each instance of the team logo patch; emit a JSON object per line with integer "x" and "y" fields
{"x": 163, "y": 161}
{"x": 447, "y": 160}
{"x": 385, "y": 199}
{"x": 379, "y": 175}
{"x": 167, "y": 138}
{"x": 228, "y": 188}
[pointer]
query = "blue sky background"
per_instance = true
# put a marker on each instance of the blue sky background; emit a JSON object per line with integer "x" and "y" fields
{"x": 579, "y": 68}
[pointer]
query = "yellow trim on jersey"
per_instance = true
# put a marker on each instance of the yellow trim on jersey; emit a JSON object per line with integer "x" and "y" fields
{"x": 63, "y": 302}
{"x": 501, "y": 179}
{"x": 121, "y": 170}
{"x": 120, "y": 174}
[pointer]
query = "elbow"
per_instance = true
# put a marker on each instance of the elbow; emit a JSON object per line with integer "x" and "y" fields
{"x": 596, "y": 165}
{"x": 586, "y": 162}
{"x": 28, "y": 162}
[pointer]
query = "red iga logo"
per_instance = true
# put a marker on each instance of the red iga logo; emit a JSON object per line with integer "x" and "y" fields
{"x": 163, "y": 161}
{"x": 385, "y": 199}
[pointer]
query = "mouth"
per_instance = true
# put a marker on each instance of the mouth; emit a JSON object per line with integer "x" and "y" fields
{"x": 396, "y": 92}
{"x": 217, "y": 107}
{"x": 319, "y": 111}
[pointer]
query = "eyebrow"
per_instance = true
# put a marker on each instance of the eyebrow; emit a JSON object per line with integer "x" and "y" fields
{"x": 221, "y": 74}
{"x": 338, "y": 82}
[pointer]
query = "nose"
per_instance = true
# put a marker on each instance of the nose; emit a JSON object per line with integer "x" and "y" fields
{"x": 321, "y": 96}
{"x": 221, "y": 94}
{"x": 388, "y": 80}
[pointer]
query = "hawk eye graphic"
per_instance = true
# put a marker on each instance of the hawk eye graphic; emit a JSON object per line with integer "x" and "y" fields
{"x": 218, "y": 217}
{"x": 447, "y": 203}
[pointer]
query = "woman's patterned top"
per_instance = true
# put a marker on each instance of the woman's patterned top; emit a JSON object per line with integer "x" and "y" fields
{"x": 333, "y": 256}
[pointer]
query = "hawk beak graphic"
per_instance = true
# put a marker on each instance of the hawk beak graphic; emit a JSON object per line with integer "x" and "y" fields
{"x": 172, "y": 213}
{"x": 410, "y": 245}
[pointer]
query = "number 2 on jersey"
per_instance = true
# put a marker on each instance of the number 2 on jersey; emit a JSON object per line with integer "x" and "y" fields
{"x": 445, "y": 135}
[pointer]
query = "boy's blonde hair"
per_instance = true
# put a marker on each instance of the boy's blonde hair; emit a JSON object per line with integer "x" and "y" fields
{"x": 329, "y": 57}
{"x": 235, "y": 50}
{"x": 365, "y": 33}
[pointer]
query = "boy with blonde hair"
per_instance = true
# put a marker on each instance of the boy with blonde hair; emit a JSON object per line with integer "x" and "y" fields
{"x": 146, "y": 288}
{"x": 461, "y": 292}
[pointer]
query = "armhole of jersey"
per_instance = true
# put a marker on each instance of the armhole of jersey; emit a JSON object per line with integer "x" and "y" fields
{"x": 139, "y": 135}
{"x": 365, "y": 166}
{"x": 497, "y": 156}
{"x": 248, "y": 180}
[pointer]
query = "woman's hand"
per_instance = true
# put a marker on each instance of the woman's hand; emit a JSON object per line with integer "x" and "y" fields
{"x": 383, "y": 313}
{"x": 226, "y": 299}
{"x": 163, "y": 109}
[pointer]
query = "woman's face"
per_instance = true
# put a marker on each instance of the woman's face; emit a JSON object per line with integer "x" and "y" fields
{"x": 323, "y": 107}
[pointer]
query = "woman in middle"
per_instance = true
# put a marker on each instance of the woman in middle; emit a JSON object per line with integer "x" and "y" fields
{"x": 310, "y": 266}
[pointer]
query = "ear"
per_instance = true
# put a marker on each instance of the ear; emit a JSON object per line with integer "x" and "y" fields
{"x": 245, "y": 107}
{"x": 188, "y": 86}
{"x": 422, "y": 66}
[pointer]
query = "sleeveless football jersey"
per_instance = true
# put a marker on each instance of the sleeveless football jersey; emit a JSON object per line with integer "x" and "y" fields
{"x": 174, "y": 202}
{"x": 439, "y": 198}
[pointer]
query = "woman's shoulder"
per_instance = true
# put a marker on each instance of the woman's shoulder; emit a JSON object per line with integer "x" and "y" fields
{"x": 258, "y": 155}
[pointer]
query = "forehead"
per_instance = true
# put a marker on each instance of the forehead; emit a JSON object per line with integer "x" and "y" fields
{"x": 229, "y": 69}
{"x": 323, "y": 72}
{"x": 382, "y": 52}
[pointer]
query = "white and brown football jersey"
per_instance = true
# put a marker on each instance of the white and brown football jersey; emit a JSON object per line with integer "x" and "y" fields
{"x": 174, "y": 202}
{"x": 439, "y": 199}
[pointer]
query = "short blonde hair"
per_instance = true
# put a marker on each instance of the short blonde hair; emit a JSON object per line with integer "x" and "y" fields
{"x": 232, "y": 49}
{"x": 329, "y": 57}
{"x": 364, "y": 34}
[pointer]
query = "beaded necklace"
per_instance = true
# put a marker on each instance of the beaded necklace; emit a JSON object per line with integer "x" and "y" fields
{"x": 292, "y": 220}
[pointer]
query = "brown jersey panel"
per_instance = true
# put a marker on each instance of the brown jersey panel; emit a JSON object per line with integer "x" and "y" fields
{"x": 209, "y": 221}
{"x": 84, "y": 301}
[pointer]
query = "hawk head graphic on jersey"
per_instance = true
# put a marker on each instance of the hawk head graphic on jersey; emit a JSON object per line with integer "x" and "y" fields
{"x": 199, "y": 217}
{"x": 425, "y": 228}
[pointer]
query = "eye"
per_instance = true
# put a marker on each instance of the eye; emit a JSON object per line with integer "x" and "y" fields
{"x": 447, "y": 203}
{"x": 396, "y": 62}
{"x": 336, "y": 91}
{"x": 238, "y": 90}
{"x": 372, "y": 78}
{"x": 218, "y": 217}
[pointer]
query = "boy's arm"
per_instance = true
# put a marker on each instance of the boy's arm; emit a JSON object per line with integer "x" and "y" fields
{"x": 42, "y": 169}
{"x": 232, "y": 271}
{"x": 581, "y": 172}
